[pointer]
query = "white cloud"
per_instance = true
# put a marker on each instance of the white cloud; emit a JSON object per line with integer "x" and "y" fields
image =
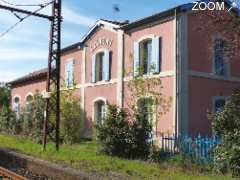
{"x": 6, "y": 76}
{"x": 23, "y": 54}
{"x": 75, "y": 18}
{"x": 29, "y": 40}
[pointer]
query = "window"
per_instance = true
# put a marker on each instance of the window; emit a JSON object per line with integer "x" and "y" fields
{"x": 16, "y": 106}
{"x": 100, "y": 111}
{"x": 69, "y": 74}
{"x": 146, "y": 110}
{"x": 101, "y": 66}
{"x": 145, "y": 50}
{"x": 220, "y": 66}
{"x": 219, "y": 104}
{"x": 28, "y": 103}
{"x": 146, "y": 56}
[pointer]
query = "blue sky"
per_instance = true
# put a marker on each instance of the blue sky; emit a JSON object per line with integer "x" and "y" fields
{"x": 25, "y": 49}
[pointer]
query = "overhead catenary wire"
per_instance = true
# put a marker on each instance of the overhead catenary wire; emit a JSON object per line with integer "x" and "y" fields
{"x": 14, "y": 4}
{"x": 23, "y": 18}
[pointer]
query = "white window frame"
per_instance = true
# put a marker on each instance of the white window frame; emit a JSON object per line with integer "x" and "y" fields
{"x": 69, "y": 84}
{"x": 19, "y": 105}
{"x": 94, "y": 113}
{"x": 154, "y": 120}
{"x": 26, "y": 102}
{"x": 102, "y": 50}
{"x": 102, "y": 70}
{"x": 141, "y": 39}
{"x": 148, "y": 60}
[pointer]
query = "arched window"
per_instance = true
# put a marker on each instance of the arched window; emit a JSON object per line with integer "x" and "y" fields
{"x": 101, "y": 66}
{"x": 28, "y": 103}
{"x": 16, "y": 106}
{"x": 145, "y": 56}
{"x": 100, "y": 111}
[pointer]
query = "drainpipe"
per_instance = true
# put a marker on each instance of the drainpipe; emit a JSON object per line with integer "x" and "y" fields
{"x": 176, "y": 74}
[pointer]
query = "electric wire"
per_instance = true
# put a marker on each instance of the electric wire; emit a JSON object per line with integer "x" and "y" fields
{"x": 13, "y": 4}
{"x": 22, "y": 19}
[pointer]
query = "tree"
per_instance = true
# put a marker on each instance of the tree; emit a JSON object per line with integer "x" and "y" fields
{"x": 224, "y": 24}
{"x": 71, "y": 117}
{"x": 123, "y": 138}
{"x": 226, "y": 125}
{"x": 4, "y": 96}
{"x": 32, "y": 117}
{"x": 147, "y": 89}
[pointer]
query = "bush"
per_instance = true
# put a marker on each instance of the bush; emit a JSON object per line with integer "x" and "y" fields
{"x": 158, "y": 155}
{"x": 122, "y": 138}
{"x": 71, "y": 121}
{"x": 226, "y": 125}
{"x": 4, "y": 96}
{"x": 4, "y": 120}
{"x": 33, "y": 117}
{"x": 8, "y": 121}
{"x": 141, "y": 131}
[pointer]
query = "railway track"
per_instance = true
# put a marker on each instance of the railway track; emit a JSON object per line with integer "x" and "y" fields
{"x": 9, "y": 175}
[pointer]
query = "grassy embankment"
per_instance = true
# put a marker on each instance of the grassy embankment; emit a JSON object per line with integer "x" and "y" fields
{"x": 84, "y": 156}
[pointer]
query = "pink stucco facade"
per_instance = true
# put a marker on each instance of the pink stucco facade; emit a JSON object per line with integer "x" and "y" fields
{"x": 186, "y": 71}
{"x": 29, "y": 88}
{"x": 203, "y": 85}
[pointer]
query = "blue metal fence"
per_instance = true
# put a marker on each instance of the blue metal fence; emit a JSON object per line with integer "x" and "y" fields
{"x": 199, "y": 148}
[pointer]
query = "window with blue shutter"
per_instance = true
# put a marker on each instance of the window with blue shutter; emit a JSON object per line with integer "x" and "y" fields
{"x": 69, "y": 74}
{"x": 147, "y": 56}
{"x": 94, "y": 68}
{"x": 220, "y": 66}
{"x": 101, "y": 66}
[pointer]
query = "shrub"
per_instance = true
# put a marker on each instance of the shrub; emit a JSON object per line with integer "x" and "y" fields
{"x": 33, "y": 117}
{"x": 8, "y": 121}
{"x": 226, "y": 125}
{"x": 4, "y": 96}
{"x": 122, "y": 138}
{"x": 71, "y": 121}
{"x": 4, "y": 120}
{"x": 141, "y": 131}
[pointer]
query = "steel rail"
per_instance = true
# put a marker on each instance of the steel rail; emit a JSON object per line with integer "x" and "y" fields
{"x": 7, "y": 174}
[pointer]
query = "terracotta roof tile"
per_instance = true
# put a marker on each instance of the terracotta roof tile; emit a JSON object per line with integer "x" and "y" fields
{"x": 31, "y": 76}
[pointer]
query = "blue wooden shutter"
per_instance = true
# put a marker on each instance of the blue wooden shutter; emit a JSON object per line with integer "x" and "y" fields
{"x": 136, "y": 59}
{"x": 94, "y": 68}
{"x": 155, "y": 62}
{"x": 66, "y": 75}
{"x": 71, "y": 73}
{"x": 106, "y": 65}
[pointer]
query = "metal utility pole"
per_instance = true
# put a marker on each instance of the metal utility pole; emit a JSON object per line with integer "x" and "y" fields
{"x": 53, "y": 76}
